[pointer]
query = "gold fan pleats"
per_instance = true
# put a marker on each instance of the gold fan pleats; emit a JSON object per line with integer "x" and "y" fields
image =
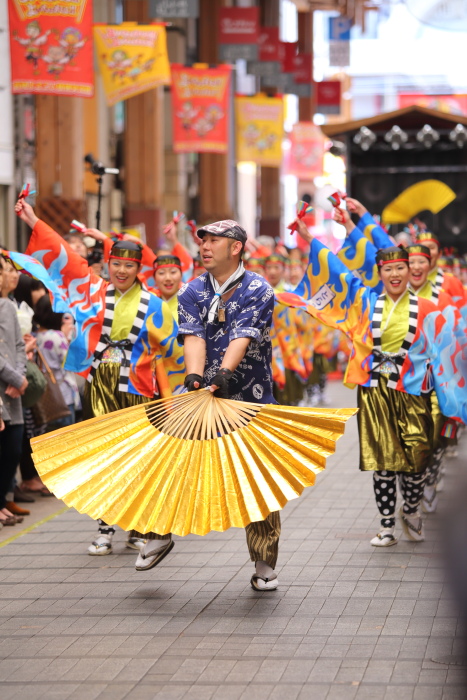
{"x": 190, "y": 463}
{"x": 431, "y": 195}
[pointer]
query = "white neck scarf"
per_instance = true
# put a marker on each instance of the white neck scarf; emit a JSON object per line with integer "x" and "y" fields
{"x": 222, "y": 289}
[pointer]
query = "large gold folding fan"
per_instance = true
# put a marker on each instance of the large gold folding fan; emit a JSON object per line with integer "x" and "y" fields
{"x": 431, "y": 195}
{"x": 190, "y": 463}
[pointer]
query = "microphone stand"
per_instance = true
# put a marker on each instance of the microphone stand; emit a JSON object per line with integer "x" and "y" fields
{"x": 99, "y": 181}
{"x": 98, "y": 169}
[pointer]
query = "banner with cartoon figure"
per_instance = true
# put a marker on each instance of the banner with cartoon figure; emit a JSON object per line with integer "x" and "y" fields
{"x": 200, "y": 102}
{"x": 304, "y": 159}
{"x": 51, "y": 47}
{"x": 132, "y": 58}
{"x": 259, "y": 129}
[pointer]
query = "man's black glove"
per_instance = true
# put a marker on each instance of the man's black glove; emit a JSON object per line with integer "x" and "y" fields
{"x": 221, "y": 380}
{"x": 190, "y": 381}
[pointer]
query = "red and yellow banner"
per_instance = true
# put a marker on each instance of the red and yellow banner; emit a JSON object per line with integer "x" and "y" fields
{"x": 132, "y": 58}
{"x": 200, "y": 104}
{"x": 305, "y": 156}
{"x": 51, "y": 47}
{"x": 259, "y": 129}
{"x": 452, "y": 104}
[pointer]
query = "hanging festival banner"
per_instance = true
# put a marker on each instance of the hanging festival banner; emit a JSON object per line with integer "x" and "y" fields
{"x": 452, "y": 104}
{"x": 132, "y": 58}
{"x": 200, "y": 105}
{"x": 51, "y": 47}
{"x": 304, "y": 159}
{"x": 259, "y": 129}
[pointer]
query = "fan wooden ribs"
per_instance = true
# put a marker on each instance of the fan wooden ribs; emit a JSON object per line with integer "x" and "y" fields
{"x": 209, "y": 419}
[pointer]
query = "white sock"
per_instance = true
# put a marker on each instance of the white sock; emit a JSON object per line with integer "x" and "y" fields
{"x": 153, "y": 546}
{"x": 264, "y": 570}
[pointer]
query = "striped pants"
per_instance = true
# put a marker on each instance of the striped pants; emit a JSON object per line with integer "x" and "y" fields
{"x": 262, "y": 539}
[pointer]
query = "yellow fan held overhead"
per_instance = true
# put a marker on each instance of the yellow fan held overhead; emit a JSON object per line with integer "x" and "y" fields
{"x": 431, "y": 195}
{"x": 190, "y": 463}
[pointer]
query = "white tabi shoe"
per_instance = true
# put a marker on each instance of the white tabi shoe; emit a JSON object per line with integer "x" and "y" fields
{"x": 152, "y": 553}
{"x": 429, "y": 500}
{"x": 384, "y": 538}
{"x": 135, "y": 543}
{"x": 260, "y": 584}
{"x": 412, "y": 526}
{"x": 264, "y": 579}
{"x": 451, "y": 452}
{"x": 101, "y": 546}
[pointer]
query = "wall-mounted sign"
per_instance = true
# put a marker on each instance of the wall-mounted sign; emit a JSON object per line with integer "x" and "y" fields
{"x": 263, "y": 68}
{"x": 238, "y": 33}
{"x": 298, "y": 89}
{"x": 339, "y": 28}
{"x": 328, "y": 97}
{"x": 238, "y": 25}
{"x": 174, "y": 8}
{"x": 288, "y": 52}
{"x": 280, "y": 81}
{"x": 231, "y": 52}
{"x": 268, "y": 42}
{"x": 302, "y": 68}
{"x": 339, "y": 41}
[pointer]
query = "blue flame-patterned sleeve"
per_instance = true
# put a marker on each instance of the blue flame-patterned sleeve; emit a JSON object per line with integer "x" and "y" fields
{"x": 449, "y": 364}
{"x": 374, "y": 232}
{"x": 332, "y": 290}
{"x": 35, "y": 269}
{"x": 359, "y": 255}
{"x": 192, "y": 310}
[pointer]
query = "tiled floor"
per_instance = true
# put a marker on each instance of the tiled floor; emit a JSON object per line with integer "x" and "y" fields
{"x": 348, "y": 622}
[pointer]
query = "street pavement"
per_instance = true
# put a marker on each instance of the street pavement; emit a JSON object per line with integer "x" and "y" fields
{"x": 349, "y": 622}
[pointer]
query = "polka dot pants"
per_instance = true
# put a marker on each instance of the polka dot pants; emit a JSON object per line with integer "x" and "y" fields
{"x": 385, "y": 487}
{"x": 433, "y": 471}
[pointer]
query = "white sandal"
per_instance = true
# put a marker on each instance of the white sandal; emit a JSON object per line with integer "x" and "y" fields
{"x": 412, "y": 526}
{"x": 261, "y": 583}
{"x": 384, "y": 538}
{"x": 147, "y": 561}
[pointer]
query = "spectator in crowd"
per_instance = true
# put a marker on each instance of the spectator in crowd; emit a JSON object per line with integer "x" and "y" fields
{"x": 29, "y": 291}
{"x": 13, "y": 384}
{"x": 10, "y": 279}
{"x": 27, "y": 294}
{"x": 53, "y": 343}
{"x": 76, "y": 243}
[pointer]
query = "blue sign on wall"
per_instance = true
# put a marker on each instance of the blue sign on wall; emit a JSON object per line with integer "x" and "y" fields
{"x": 339, "y": 28}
